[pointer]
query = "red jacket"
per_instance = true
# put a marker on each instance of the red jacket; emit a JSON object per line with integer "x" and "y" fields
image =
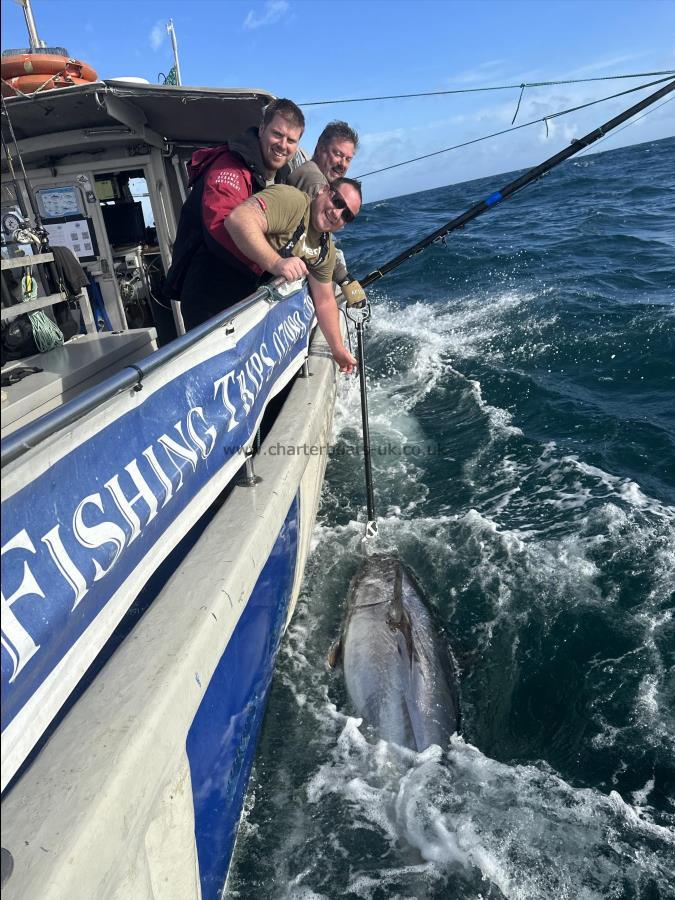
{"x": 228, "y": 181}
{"x": 221, "y": 178}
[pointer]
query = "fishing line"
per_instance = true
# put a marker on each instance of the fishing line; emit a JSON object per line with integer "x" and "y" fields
{"x": 487, "y": 137}
{"x": 531, "y": 175}
{"x": 501, "y": 87}
{"x": 628, "y": 124}
{"x": 361, "y": 316}
{"x": 26, "y": 180}
{"x": 347, "y": 331}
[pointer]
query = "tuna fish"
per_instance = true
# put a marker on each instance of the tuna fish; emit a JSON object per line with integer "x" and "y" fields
{"x": 399, "y": 672}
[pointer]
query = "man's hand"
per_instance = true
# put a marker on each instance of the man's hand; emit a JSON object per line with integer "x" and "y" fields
{"x": 344, "y": 359}
{"x": 291, "y": 268}
{"x": 329, "y": 322}
{"x": 353, "y": 293}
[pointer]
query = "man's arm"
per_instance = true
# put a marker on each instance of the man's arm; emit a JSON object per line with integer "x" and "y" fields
{"x": 329, "y": 322}
{"x": 247, "y": 226}
{"x": 227, "y": 183}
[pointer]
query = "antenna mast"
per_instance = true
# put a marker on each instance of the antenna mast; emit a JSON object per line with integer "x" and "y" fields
{"x": 172, "y": 34}
{"x": 35, "y": 42}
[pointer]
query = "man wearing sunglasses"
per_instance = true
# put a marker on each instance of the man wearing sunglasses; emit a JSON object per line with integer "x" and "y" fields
{"x": 333, "y": 154}
{"x": 280, "y": 231}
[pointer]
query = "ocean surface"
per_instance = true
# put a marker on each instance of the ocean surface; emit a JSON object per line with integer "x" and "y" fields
{"x": 522, "y": 395}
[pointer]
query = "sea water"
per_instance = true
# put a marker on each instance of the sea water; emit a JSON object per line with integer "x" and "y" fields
{"x": 522, "y": 397}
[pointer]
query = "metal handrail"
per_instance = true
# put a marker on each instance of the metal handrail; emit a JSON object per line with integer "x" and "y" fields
{"x": 30, "y": 435}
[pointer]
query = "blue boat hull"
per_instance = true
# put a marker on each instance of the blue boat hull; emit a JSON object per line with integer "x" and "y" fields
{"x": 222, "y": 739}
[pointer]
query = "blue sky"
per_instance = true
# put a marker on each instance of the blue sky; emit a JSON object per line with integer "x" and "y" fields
{"x": 321, "y": 50}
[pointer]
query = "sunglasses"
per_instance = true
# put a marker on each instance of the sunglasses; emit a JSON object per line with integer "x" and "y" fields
{"x": 340, "y": 203}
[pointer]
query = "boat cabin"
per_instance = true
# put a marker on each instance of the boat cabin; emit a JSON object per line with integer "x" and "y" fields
{"x": 106, "y": 178}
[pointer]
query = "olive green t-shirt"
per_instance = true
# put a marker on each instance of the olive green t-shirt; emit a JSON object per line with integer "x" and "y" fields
{"x": 285, "y": 207}
{"x": 310, "y": 179}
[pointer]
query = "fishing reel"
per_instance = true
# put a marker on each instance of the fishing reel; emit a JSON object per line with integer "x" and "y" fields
{"x": 16, "y": 229}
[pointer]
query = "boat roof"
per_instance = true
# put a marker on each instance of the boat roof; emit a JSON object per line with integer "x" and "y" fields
{"x": 190, "y": 115}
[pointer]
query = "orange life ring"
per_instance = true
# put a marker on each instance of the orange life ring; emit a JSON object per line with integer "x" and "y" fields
{"x": 44, "y": 64}
{"x": 28, "y": 84}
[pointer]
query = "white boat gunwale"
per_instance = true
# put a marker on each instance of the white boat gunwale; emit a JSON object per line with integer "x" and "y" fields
{"x": 128, "y": 378}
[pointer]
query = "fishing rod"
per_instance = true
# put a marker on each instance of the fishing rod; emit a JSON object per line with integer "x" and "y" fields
{"x": 360, "y": 313}
{"x": 531, "y": 175}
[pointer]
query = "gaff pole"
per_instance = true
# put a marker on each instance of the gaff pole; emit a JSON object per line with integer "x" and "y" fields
{"x": 489, "y": 202}
{"x": 359, "y": 314}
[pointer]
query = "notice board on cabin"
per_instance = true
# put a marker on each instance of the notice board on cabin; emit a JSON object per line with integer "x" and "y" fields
{"x": 77, "y": 234}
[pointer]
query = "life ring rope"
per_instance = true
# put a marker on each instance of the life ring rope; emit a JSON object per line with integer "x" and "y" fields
{"x": 31, "y": 73}
{"x": 52, "y": 65}
{"x": 29, "y": 85}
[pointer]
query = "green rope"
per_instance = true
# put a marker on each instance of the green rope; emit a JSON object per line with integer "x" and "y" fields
{"x": 47, "y": 335}
{"x": 501, "y": 87}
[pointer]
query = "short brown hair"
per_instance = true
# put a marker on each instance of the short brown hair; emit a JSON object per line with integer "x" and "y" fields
{"x": 287, "y": 110}
{"x": 352, "y": 181}
{"x": 340, "y": 131}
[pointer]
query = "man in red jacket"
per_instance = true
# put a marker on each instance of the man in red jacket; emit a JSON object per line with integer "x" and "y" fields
{"x": 208, "y": 272}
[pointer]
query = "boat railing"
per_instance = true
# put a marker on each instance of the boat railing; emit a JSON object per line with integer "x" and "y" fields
{"x": 131, "y": 376}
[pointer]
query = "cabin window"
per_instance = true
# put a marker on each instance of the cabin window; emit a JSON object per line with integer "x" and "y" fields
{"x": 127, "y": 210}
{"x": 130, "y": 226}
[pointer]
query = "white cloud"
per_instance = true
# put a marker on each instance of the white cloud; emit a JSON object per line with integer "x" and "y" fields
{"x": 480, "y": 73}
{"x": 602, "y": 65}
{"x": 158, "y": 34}
{"x": 273, "y": 11}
